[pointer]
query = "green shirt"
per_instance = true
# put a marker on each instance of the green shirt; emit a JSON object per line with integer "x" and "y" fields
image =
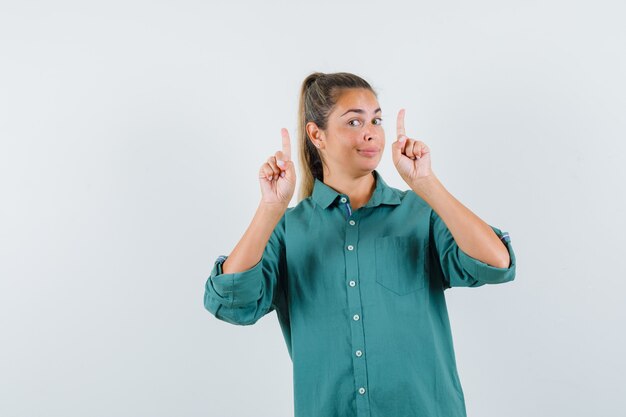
{"x": 359, "y": 296}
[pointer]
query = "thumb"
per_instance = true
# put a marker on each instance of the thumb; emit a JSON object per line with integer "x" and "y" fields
{"x": 397, "y": 147}
{"x": 288, "y": 169}
{"x": 280, "y": 160}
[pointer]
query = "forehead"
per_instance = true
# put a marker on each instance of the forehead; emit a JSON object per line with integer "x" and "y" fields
{"x": 357, "y": 98}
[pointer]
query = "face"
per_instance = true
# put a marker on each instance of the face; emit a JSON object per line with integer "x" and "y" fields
{"x": 354, "y": 139}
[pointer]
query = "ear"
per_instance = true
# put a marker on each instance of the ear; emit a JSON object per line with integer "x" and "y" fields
{"x": 316, "y": 135}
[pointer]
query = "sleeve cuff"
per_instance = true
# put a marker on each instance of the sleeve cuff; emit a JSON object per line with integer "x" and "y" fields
{"x": 236, "y": 289}
{"x": 488, "y": 273}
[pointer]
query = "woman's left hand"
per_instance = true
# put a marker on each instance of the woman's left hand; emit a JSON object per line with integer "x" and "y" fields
{"x": 411, "y": 157}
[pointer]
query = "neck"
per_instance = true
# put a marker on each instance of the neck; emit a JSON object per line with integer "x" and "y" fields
{"x": 358, "y": 188}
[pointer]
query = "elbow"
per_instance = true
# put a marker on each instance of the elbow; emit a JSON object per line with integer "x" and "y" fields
{"x": 503, "y": 263}
{"x": 503, "y": 260}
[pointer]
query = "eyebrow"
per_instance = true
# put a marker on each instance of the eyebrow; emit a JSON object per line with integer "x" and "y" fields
{"x": 359, "y": 111}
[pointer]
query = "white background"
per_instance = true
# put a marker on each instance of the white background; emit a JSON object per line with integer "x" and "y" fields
{"x": 131, "y": 136}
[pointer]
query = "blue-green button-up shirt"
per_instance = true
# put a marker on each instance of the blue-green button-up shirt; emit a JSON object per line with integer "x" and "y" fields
{"x": 359, "y": 296}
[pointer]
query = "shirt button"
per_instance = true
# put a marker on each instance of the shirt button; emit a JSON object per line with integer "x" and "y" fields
{"x": 355, "y": 317}
{"x": 352, "y": 283}
{"x": 359, "y": 353}
{"x": 343, "y": 199}
{"x": 361, "y": 390}
{"x": 350, "y": 247}
{"x": 352, "y": 222}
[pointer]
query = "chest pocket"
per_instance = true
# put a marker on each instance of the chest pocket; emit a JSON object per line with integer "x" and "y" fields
{"x": 400, "y": 263}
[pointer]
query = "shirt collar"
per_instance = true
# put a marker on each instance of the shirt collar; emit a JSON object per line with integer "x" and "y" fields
{"x": 324, "y": 195}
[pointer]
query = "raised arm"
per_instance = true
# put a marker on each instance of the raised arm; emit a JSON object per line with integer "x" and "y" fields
{"x": 476, "y": 238}
{"x": 277, "y": 178}
{"x": 247, "y": 284}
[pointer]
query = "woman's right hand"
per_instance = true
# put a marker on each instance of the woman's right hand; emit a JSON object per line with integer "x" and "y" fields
{"x": 278, "y": 182}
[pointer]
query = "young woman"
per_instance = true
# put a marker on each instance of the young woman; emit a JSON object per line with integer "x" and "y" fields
{"x": 356, "y": 272}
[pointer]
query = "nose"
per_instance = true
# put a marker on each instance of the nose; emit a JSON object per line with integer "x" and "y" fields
{"x": 370, "y": 133}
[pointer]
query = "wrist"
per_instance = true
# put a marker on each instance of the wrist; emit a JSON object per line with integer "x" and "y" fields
{"x": 277, "y": 208}
{"x": 424, "y": 181}
{"x": 426, "y": 185}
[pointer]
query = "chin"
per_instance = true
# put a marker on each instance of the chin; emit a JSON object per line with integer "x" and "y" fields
{"x": 369, "y": 166}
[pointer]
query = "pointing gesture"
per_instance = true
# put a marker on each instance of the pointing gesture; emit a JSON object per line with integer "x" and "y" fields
{"x": 411, "y": 157}
{"x": 278, "y": 175}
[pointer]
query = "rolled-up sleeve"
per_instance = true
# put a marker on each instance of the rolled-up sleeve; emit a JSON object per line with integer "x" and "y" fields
{"x": 244, "y": 297}
{"x": 458, "y": 269}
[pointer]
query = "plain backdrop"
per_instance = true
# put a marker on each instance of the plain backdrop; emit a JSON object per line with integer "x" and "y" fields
{"x": 131, "y": 136}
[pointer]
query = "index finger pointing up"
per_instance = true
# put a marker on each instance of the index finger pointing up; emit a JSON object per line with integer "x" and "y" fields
{"x": 286, "y": 144}
{"x": 400, "y": 124}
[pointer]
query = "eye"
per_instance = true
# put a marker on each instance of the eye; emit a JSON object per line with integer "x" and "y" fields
{"x": 380, "y": 121}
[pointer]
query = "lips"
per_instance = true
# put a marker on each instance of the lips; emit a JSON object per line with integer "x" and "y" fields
{"x": 368, "y": 151}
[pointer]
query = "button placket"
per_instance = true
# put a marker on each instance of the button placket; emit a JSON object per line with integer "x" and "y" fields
{"x": 355, "y": 305}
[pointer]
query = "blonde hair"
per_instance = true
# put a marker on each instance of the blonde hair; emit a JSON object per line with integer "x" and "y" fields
{"x": 318, "y": 95}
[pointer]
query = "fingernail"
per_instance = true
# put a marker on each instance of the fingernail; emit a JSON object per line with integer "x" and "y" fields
{"x": 271, "y": 177}
{"x": 282, "y": 174}
{"x": 280, "y": 163}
